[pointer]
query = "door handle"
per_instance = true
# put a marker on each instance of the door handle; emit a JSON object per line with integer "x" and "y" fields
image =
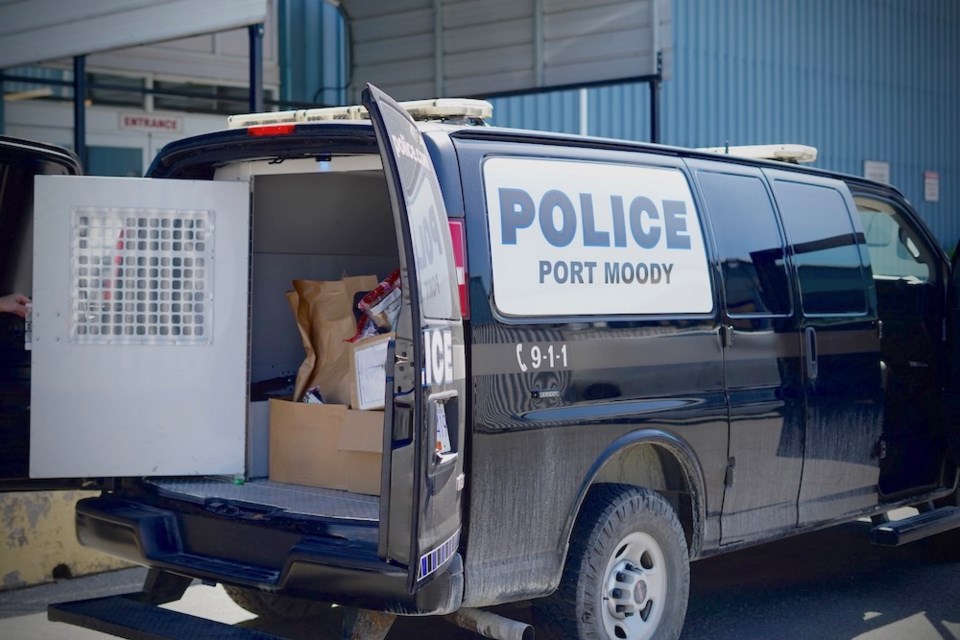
{"x": 810, "y": 334}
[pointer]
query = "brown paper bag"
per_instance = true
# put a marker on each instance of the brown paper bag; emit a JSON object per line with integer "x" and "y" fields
{"x": 324, "y": 311}
{"x": 310, "y": 359}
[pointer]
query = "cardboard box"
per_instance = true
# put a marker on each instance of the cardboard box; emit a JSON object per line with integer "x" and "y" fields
{"x": 368, "y": 374}
{"x": 326, "y": 445}
{"x": 258, "y": 439}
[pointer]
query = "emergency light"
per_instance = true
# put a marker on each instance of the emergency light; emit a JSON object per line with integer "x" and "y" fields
{"x": 437, "y": 109}
{"x": 793, "y": 153}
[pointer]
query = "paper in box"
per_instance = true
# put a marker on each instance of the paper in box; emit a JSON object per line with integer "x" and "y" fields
{"x": 326, "y": 445}
{"x": 368, "y": 375}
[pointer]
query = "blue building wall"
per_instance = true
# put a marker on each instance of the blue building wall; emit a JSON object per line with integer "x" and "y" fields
{"x": 313, "y": 53}
{"x": 858, "y": 79}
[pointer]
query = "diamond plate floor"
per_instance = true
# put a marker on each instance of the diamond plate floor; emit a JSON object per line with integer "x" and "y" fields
{"x": 292, "y": 498}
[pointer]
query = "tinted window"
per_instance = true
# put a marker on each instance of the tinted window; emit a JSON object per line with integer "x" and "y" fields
{"x": 749, "y": 243}
{"x": 825, "y": 248}
{"x": 896, "y": 250}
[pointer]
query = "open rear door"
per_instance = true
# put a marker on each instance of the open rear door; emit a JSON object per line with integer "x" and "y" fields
{"x": 139, "y": 363}
{"x": 421, "y": 515}
{"x": 951, "y": 396}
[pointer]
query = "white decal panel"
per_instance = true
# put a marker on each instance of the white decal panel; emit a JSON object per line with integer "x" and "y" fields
{"x": 574, "y": 238}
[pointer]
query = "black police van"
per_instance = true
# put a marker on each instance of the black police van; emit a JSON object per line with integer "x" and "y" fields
{"x": 642, "y": 355}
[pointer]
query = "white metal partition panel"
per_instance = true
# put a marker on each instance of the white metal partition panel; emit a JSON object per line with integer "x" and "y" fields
{"x": 139, "y": 327}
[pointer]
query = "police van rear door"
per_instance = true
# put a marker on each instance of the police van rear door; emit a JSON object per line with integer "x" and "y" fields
{"x": 423, "y": 462}
{"x": 139, "y": 327}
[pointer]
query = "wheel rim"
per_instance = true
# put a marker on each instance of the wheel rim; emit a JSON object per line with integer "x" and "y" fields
{"x": 634, "y": 588}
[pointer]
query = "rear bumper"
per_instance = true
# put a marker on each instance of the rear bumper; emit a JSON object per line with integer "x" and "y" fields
{"x": 336, "y": 568}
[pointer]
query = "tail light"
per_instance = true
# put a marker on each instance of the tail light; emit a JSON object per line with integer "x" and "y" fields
{"x": 262, "y": 130}
{"x": 458, "y": 237}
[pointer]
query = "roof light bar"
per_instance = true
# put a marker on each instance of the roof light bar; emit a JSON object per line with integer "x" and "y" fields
{"x": 438, "y": 109}
{"x": 794, "y": 153}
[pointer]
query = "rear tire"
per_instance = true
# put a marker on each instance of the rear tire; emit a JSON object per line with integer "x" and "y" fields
{"x": 627, "y": 575}
{"x": 271, "y": 605}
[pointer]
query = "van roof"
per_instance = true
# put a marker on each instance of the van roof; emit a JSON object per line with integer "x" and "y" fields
{"x": 451, "y": 117}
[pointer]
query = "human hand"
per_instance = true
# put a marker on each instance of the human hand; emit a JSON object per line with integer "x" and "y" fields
{"x": 15, "y": 303}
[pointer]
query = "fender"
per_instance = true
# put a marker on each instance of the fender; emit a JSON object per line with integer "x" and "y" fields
{"x": 693, "y": 473}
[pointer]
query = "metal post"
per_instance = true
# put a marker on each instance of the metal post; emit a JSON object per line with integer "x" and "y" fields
{"x": 80, "y": 108}
{"x": 655, "y": 101}
{"x": 438, "y": 81}
{"x": 255, "y": 32}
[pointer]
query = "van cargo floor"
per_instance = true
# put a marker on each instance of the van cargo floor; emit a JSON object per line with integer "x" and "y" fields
{"x": 312, "y": 501}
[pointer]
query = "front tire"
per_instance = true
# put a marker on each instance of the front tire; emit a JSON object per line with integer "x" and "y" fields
{"x": 627, "y": 575}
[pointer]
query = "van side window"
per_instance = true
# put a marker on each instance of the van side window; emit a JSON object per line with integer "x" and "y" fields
{"x": 896, "y": 251}
{"x": 749, "y": 243}
{"x": 825, "y": 249}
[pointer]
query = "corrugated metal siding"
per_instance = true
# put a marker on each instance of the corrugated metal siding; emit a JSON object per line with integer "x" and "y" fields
{"x": 488, "y": 45}
{"x": 313, "y": 53}
{"x": 393, "y": 47}
{"x": 557, "y": 111}
{"x": 417, "y": 48}
{"x": 859, "y": 79}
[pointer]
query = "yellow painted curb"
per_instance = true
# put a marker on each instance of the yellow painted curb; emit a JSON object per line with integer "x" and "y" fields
{"x": 38, "y": 542}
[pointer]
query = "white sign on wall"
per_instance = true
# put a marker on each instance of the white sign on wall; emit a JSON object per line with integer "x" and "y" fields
{"x": 931, "y": 186}
{"x": 574, "y": 238}
{"x": 877, "y": 170}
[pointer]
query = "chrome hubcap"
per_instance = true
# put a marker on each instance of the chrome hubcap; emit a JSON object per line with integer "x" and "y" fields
{"x": 635, "y": 588}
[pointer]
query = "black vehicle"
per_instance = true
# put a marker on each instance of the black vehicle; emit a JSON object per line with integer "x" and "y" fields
{"x": 637, "y": 356}
{"x": 20, "y": 162}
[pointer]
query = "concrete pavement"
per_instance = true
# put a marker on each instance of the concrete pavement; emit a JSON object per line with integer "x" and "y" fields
{"x": 825, "y": 585}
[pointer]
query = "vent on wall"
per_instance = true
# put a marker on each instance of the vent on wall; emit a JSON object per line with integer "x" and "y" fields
{"x": 141, "y": 276}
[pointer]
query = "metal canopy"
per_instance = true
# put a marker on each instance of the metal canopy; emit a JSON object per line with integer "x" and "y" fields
{"x": 33, "y": 31}
{"x": 418, "y": 48}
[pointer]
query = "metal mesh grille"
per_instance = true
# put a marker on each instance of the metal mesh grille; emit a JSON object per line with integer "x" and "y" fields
{"x": 141, "y": 276}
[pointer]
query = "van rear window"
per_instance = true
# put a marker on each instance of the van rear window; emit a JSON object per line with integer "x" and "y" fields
{"x": 578, "y": 238}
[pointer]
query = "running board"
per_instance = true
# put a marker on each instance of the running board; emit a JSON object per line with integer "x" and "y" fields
{"x": 922, "y": 525}
{"x": 126, "y": 617}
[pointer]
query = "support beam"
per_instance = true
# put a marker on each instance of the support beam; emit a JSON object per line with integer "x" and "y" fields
{"x": 538, "y": 74}
{"x": 439, "y": 90}
{"x": 584, "y": 129}
{"x": 255, "y": 32}
{"x": 655, "y": 101}
{"x": 80, "y": 108}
